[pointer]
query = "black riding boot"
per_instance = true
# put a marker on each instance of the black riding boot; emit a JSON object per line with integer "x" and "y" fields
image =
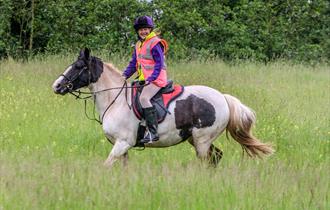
{"x": 152, "y": 125}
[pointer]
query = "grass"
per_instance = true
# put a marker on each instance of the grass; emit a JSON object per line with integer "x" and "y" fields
{"x": 51, "y": 155}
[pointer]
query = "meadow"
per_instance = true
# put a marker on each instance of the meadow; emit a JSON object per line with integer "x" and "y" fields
{"x": 52, "y": 155}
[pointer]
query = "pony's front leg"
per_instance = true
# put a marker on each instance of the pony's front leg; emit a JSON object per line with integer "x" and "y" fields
{"x": 119, "y": 150}
{"x": 124, "y": 159}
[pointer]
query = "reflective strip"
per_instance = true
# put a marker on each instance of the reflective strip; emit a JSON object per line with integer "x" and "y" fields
{"x": 151, "y": 67}
{"x": 147, "y": 56}
{"x": 148, "y": 67}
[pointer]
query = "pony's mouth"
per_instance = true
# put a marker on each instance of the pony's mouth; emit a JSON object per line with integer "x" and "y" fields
{"x": 62, "y": 90}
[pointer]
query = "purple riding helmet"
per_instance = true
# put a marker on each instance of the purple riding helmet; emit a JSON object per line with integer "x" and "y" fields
{"x": 143, "y": 22}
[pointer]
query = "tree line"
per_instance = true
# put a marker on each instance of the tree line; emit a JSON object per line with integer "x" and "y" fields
{"x": 262, "y": 30}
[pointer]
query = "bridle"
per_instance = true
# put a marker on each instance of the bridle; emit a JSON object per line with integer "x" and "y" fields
{"x": 69, "y": 83}
{"x": 89, "y": 94}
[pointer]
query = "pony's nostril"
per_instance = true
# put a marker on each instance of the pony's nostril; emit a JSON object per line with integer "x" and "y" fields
{"x": 56, "y": 88}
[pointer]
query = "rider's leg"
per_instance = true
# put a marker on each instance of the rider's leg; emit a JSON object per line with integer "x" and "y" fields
{"x": 147, "y": 93}
{"x": 149, "y": 112}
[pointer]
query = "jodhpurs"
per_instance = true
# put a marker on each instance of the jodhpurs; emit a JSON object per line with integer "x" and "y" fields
{"x": 147, "y": 93}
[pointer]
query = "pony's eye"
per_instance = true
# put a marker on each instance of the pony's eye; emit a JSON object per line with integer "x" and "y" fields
{"x": 79, "y": 66}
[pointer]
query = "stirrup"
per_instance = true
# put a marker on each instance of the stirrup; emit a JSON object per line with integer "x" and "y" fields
{"x": 147, "y": 138}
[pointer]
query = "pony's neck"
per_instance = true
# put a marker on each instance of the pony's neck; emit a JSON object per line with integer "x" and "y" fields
{"x": 109, "y": 78}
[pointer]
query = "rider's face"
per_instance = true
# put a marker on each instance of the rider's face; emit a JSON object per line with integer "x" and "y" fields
{"x": 144, "y": 32}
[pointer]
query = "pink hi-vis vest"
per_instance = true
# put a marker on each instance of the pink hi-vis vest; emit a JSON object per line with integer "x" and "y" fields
{"x": 146, "y": 63}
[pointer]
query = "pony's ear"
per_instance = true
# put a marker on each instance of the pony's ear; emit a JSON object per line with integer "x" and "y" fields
{"x": 85, "y": 53}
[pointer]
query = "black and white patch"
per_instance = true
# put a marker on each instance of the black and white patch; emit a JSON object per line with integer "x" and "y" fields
{"x": 193, "y": 112}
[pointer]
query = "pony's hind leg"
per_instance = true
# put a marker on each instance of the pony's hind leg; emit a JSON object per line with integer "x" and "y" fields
{"x": 202, "y": 147}
{"x": 215, "y": 155}
{"x": 205, "y": 150}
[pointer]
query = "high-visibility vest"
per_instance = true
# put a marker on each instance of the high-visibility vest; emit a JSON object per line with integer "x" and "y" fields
{"x": 145, "y": 62}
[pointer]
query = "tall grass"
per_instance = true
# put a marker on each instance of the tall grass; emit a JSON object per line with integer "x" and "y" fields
{"x": 51, "y": 155}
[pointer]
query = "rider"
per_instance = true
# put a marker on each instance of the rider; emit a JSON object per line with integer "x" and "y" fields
{"x": 148, "y": 61}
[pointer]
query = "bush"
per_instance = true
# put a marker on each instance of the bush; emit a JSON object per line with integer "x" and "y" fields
{"x": 231, "y": 30}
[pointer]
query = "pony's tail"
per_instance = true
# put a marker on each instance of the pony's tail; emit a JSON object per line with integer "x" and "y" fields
{"x": 239, "y": 126}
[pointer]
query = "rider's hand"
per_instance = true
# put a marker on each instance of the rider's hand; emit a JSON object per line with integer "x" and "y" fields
{"x": 124, "y": 76}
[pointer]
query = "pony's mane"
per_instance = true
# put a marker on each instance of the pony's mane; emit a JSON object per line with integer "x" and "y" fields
{"x": 112, "y": 68}
{"x": 107, "y": 66}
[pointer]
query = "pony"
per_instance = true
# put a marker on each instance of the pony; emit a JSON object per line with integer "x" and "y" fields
{"x": 199, "y": 115}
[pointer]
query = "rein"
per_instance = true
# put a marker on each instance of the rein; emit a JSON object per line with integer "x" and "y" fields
{"x": 78, "y": 93}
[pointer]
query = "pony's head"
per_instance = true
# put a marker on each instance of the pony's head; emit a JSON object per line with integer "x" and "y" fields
{"x": 84, "y": 71}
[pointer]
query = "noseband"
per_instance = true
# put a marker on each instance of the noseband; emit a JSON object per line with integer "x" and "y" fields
{"x": 69, "y": 83}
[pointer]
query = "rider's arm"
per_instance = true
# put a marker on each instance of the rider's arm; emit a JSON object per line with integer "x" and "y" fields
{"x": 131, "y": 68}
{"x": 158, "y": 56}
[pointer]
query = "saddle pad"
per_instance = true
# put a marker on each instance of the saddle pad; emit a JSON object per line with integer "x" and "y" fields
{"x": 160, "y": 101}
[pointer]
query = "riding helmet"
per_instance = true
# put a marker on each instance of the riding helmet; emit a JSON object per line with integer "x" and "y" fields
{"x": 143, "y": 22}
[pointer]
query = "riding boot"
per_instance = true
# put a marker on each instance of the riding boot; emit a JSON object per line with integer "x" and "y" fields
{"x": 152, "y": 125}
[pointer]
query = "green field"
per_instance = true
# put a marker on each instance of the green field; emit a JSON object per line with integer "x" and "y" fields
{"x": 52, "y": 156}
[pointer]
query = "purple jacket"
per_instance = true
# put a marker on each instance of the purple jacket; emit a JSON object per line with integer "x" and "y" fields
{"x": 157, "y": 55}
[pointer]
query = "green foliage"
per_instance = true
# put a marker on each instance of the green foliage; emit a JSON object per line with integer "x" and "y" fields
{"x": 51, "y": 155}
{"x": 99, "y": 25}
{"x": 5, "y": 15}
{"x": 241, "y": 29}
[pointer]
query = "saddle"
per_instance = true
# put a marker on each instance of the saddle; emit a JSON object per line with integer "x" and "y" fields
{"x": 160, "y": 101}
